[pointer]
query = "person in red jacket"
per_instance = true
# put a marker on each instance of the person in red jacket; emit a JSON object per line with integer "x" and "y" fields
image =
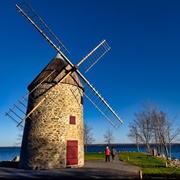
{"x": 107, "y": 154}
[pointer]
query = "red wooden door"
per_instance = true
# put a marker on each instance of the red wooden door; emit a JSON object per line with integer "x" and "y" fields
{"x": 72, "y": 152}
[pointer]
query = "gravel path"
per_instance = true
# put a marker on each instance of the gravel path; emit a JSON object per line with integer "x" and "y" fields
{"x": 91, "y": 170}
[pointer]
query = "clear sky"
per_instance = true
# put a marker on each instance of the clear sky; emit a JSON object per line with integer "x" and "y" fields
{"x": 142, "y": 64}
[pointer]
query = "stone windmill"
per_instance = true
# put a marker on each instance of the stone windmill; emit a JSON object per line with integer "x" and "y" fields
{"x": 53, "y": 117}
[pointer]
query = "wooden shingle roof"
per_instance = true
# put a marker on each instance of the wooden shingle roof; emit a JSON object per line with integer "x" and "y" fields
{"x": 60, "y": 67}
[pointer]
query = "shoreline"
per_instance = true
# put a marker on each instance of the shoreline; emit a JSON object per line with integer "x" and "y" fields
{"x": 101, "y": 144}
{"x": 11, "y": 152}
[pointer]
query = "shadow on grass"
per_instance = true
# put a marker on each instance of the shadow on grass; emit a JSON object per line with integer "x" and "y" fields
{"x": 160, "y": 176}
{"x": 9, "y": 164}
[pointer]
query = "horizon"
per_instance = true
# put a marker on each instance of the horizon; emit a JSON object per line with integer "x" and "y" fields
{"x": 112, "y": 144}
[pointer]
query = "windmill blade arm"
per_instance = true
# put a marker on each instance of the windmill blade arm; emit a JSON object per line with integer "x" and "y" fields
{"x": 101, "y": 111}
{"x": 99, "y": 96}
{"x": 33, "y": 110}
{"x": 38, "y": 20}
{"x": 103, "y": 46}
{"x": 44, "y": 98}
{"x": 100, "y": 49}
{"x": 44, "y": 35}
{"x": 13, "y": 119}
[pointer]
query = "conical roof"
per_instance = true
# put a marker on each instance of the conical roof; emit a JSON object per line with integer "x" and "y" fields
{"x": 60, "y": 66}
{"x": 58, "y": 56}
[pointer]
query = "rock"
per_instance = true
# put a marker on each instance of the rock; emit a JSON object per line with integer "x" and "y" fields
{"x": 16, "y": 159}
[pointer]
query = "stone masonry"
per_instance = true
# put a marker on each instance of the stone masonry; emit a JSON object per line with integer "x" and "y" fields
{"x": 48, "y": 128}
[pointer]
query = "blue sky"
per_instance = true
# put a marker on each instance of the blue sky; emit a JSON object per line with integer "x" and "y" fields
{"x": 142, "y": 64}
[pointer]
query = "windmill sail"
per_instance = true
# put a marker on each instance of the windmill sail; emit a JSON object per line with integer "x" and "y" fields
{"x": 95, "y": 55}
{"x": 18, "y": 111}
{"x": 55, "y": 42}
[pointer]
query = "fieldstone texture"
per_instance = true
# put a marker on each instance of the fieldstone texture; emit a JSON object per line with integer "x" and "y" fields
{"x": 48, "y": 128}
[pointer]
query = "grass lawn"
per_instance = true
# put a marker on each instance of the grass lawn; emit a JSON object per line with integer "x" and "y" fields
{"x": 153, "y": 167}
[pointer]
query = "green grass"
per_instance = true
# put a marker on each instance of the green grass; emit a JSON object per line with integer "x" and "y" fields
{"x": 152, "y": 167}
{"x": 142, "y": 159}
{"x": 94, "y": 156}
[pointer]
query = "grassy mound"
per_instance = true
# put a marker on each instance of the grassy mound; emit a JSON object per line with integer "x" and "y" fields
{"x": 10, "y": 164}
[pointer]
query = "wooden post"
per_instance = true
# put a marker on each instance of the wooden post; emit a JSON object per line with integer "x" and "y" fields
{"x": 128, "y": 158}
{"x": 166, "y": 164}
{"x": 140, "y": 174}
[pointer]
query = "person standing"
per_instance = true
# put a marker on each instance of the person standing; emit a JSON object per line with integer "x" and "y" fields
{"x": 107, "y": 154}
{"x": 113, "y": 153}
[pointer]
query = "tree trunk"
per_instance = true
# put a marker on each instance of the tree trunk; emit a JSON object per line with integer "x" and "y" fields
{"x": 137, "y": 145}
{"x": 148, "y": 148}
{"x": 167, "y": 152}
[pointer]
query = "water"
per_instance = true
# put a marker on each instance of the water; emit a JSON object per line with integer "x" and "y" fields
{"x": 9, "y": 153}
{"x": 122, "y": 147}
{"x": 175, "y": 149}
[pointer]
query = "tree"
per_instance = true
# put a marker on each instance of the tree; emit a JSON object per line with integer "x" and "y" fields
{"x": 108, "y": 136}
{"x": 19, "y": 136}
{"x": 134, "y": 136}
{"x": 163, "y": 129}
{"x": 153, "y": 126}
{"x": 141, "y": 127}
{"x": 88, "y": 135}
{"x": 145, "y": 129}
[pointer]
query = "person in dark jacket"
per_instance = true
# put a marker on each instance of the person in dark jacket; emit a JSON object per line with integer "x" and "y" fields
{"x": 113, "y": 153}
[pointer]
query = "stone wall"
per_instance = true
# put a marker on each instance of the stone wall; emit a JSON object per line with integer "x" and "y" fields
{"x": 47, "y": 130}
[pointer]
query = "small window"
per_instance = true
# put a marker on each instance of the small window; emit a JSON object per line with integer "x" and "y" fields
{"x": 72, "y": 120}
{"x": 82, "y": 100}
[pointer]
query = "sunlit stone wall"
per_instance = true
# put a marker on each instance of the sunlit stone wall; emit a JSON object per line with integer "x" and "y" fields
{"x": 47, "y": 130}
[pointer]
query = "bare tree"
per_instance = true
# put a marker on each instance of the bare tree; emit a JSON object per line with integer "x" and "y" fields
{"x": 108, "y": 136}
{"x": 153, "y": 126}
{"x": 144, "y": 128}
{"x": 19, "y": 136}
{"x": 88, "y": 135}
{"x": 134, "y": 136}
{"x": 163, "y": 128}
